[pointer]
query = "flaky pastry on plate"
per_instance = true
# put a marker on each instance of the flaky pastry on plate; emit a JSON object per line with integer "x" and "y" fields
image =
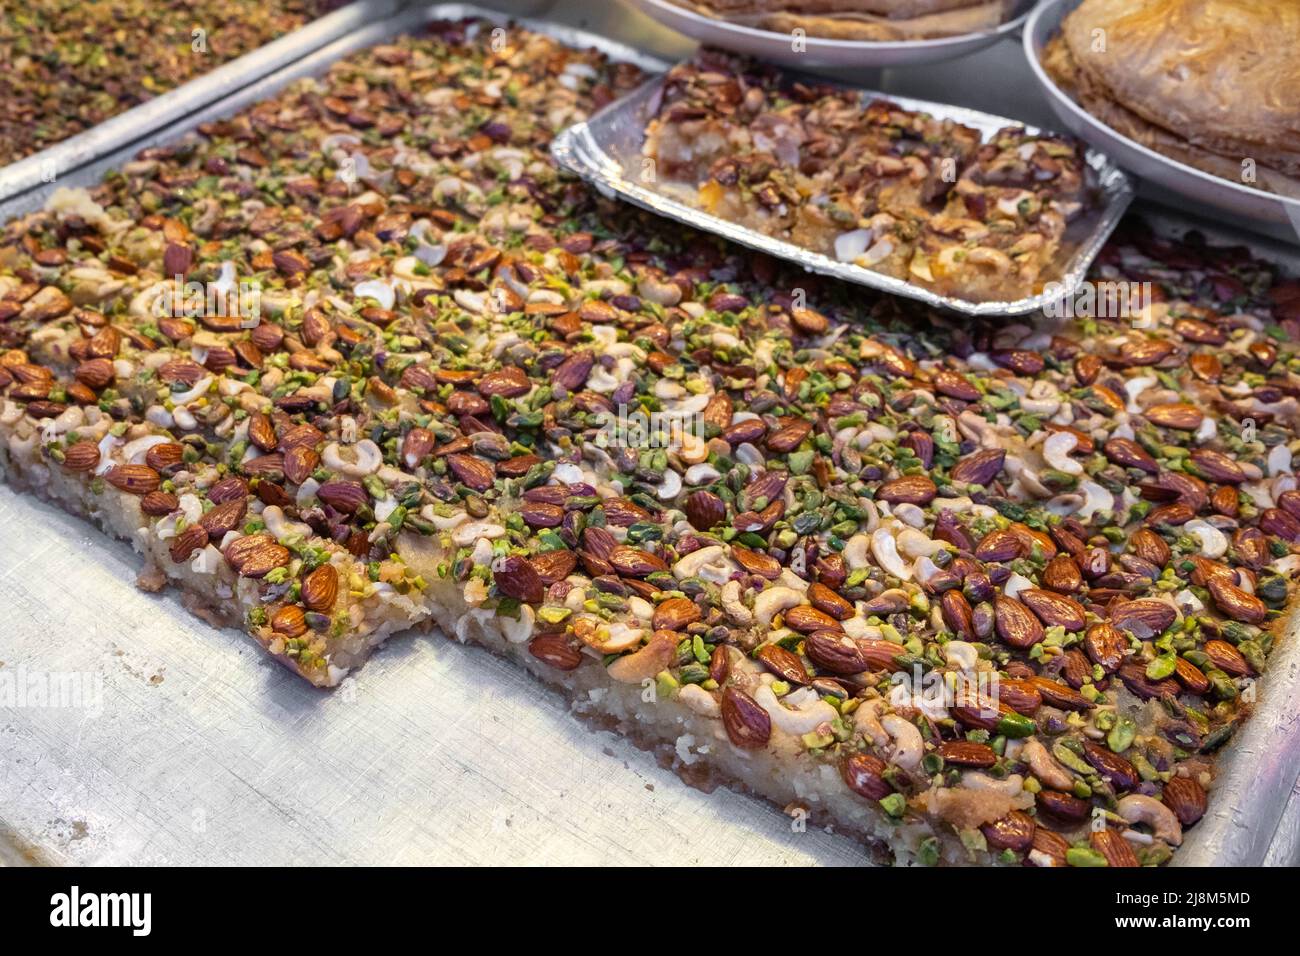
{"x": 1214, "y": 84}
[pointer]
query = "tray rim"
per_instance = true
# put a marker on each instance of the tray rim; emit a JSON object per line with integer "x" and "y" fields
{"x": 1044, "y": 20}
{"x": 578, "y": 150}
{"x": 1278, "y": 686}
{"x": 879, "y": 53}
{"x": 69, "y": 155}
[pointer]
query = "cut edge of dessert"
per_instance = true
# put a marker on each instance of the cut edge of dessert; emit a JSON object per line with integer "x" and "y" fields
{"x": 960, "y": 591}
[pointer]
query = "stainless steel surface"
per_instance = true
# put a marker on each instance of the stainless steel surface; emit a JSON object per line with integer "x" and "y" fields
{"x": 1199, "y": 186}
{"x": 606, "y": 151}
{"x": 823, "y": 52}
{"x": 35, "y": 171}
{"x": 176, "y": 742}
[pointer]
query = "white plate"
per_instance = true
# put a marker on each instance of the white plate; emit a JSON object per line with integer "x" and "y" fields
{"x": 1159, "y": 169}
{"x": 820, "y": 52}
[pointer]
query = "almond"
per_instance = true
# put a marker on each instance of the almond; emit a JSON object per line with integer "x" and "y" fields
{"x": 1227, "y": 658}
{"x": 783, "y": 663}
{"x": 1144, "y": 618}
{"x": 634, "y": 562}
{"x": 290, "y": 621}
{"x": 165, "y": 456}
{"x": 755, "y": 562}
{"x": 835, "y": 653}
{"x": 344, "y": 496}
{"x": 789, "y": 436}
{"x": 1149, "y": 546}
{"x": 320, "y": 589}
{"x": 1129, "y": 454}
{"x": 94, "y": 373}
{"x": 965, "y": 753}
{"x": 957, "y": 614}
{"x": 299, "y": 463}
{"x": 865, "y": 775}
{"x": 1186, "y": 798}
{"x": 910, "y": 489}
{"x": 554, "y": 566}
{"x": 1062, "y": 575}
{"x": 516, "y": 578}
{"x": 1217, "y": 467}
{"x": 507, "y": 381}
{"x": 472, "y": 472}
{"x": 1179, "y": 416}
{"x": 1106, "y": 646}
{"x": 676, "y": 614}
{"x": 187, "y": 542}
{"x": 748, "y": 725}
{"x": 1114, "y": 848}
{"x": 133, "y": 479}
{"x": 1054, "y": 610}
{"x": 1191, "y": 676}
{"x": 828, "y": 602}
{"x": 1236, "y": 603}
{"x": 999, "y": 546}
{"x": 224, "y": 518}
{"x": 1051, "y": 845}
{"x": 705, "y": 510}
{"x": 256, "y": 555}
{"x": 261, "y": 432}
{"x": 1013, "y": 832}
{"x": 1015, "y": 625}
{"x": 807, "y": 619}
{"x": 159, "y": 503}
{"x": 1113, "y": 768}
{"x": 555, "y": 650}
{"x": 979, "y": 468}
{"x": 82, "y": 456}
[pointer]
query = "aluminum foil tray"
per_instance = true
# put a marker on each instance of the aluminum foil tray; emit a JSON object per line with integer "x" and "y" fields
{"x": 606, "y": 151}
{"x": 174, "y": 742}
{"x": 55, "y": 162}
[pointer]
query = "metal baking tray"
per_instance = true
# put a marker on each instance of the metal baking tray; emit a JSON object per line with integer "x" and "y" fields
{"x": 606, "y": 151}
{"x": 174, "y": 742}
{"x": 54, "y": 162}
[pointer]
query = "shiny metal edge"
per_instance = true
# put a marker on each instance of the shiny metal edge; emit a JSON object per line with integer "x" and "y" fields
{"x": 1247, "y": 803}
{"x": 594, "y": 151}
{"x": 74, "y": 152}
{"x": 899, "y": 52}
{"x": 1258, "y": 769}
{"x": 1261, "y": 210}
{"x": 381, "y": 27}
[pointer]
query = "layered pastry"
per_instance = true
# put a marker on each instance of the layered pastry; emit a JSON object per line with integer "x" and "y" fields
{"x": 867, "y": 20}
{"x": 973, "y": 594}
{"x": 1212, "y": 84}
{"x": 901, "y": 192}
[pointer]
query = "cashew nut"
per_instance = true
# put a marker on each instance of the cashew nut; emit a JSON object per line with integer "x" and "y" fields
{"x": 962, "y": 655}
{"x": 866, "y": 720}
{"x": 647, "y": 662}
{"x": 735, "y": 609}
{"x": 1136, "y": 808}
{"x": 1095, "y": 498}
{"x": 909, "y": 748}
{"x": 1056, "y": 452}
{"x": 773, "y": 601}
{"x": 1046, "y": 767}
{"x": 711, "y": 564}
{"x": 807, "y": 713}
{"x": 366, "y": 458}
{"x": 1214, "y": 543}
{"x": 856, "y": 550}
{"x": 916, "y": 544}
{"x": 281, "y": 527}
{"x": 885, "y": 550}
{"x": 699, "y": 700}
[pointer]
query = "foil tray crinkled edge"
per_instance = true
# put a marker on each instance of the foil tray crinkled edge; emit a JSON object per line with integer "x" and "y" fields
{"x": 1256, "y": 769}
{"x": 34, "y": 171}
{"x": 605, "y": 150}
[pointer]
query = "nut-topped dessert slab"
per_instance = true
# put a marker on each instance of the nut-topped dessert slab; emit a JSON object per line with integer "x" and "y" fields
{"x": 858, "y": 508}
